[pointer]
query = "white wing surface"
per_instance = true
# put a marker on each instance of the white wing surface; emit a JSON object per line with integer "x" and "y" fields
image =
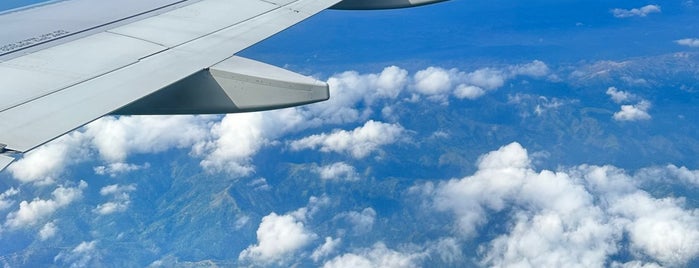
{"x": 69, "y": 72}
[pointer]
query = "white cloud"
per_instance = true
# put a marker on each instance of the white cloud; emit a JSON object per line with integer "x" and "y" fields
{"x": 660, "y": 228}
{"x": 361, "y": 222}
{"x": 468, "y": 92}
{"x": 348, "y": 89}
{"x": 116, "y": 189}
{"x": 390, "y": 82}
{"x": 690, "y": 42}
{"x": 487, "y": 78}
{"x": 117, "y": 137}
{"x": 241, "y": 221}
{"x": 448, "y": 250}
{"x": 539, "y": 105}
{"x": 438, "y": 83}
{"x": 4, "y": 203}
{"x": 620, "y": 96}
{"x": 120, "y": 199}
{"x": 337, "y": 171}
{"x": 685, "y": 174}
{"x": 629, "y": 112}
{"x": 359, "y": 142}
{"x": 43, "y": 165}
{"x": 260, "y": 184}
{"x": 111, "y": 207}
{"x": 479, "y": 82}
{"x": 326, "y": 248}
{"x": 633, "y": 112}
{"x": 377, "y": 256}
{"x": 238, "y": 137}
{"x": 636, "y": 12}
{"x": 669, "y": 174}
{"x": 434, "y": 82}
{"x": 49, "y": 230}
{"x": 535, "y": 68}
{"x": 116, "y": 169}
{"x": 84, "y": 254}
{"x": 314, "y": 205}
{"x": 114, "y": 138}
{"x": 573, "y": 217}
{"x": 31, "y": 213}
{"x": 278, "y": 236}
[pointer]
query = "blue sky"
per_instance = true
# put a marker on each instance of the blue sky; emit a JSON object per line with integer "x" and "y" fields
{"x": 463, "y": 134}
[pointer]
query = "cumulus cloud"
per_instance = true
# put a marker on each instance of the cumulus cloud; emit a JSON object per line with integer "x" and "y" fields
{"x": 469, "y": 92}
{"x": 359, "y": 142}
{"x": 120, "y": 199}
{"x": 43, "y": 165}
{"x": 113, "y": 138}
{"x": 349, "y": 89}
{"x": 620, "y": 96}
{"x": 4, "y": 202}
{"x": 377, "y": 256}
{"x": 117, "y": 137}
{"x": 434, "y": 82}
{"x": 660, "y": 228}
{"x": 84, "y": 254}
{"x": 690, "y": 42}
{"x": 278, "y": 236}
{"x": 314, "y": 205}
{"x": 581, "y": 216}
{"x": 116, "y": 189}
{"x": 337, "y": 171}
{"x": 32, "y": 212}
{"x": 629, "y": 112}
{"x": 362, "y": 222}
{"x": 636, "y": 12}
{"x": 535, "y": 68}
{"x": 635, "y": 112}
{"x": 116, "y": 169}
{"x": 487, "y": 78}
{"x": 326, "y": 248}
{"x": 49, "y": 230}
{"x": 447, "y": 249}
{"x": 238, "y": 137}
{"x": 683, "y": 173}
{"x": 438, "y": 83}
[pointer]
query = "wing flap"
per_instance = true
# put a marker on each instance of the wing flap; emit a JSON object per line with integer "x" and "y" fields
{"x": 190, "y": 22}
{"x": 43, "y": 72}
{"x": 234, "y": 85}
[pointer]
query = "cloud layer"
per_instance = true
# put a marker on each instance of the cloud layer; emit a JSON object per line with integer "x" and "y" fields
{"x": 573, "y": 217}
{"x": 636, "y": 12}
{"x": 690, "y": 42}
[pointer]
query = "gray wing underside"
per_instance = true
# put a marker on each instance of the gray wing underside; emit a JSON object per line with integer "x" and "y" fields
{"x": 169, "y": 57}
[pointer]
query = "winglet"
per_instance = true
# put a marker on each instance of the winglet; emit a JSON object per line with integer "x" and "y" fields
{"x": 232, "y": 86}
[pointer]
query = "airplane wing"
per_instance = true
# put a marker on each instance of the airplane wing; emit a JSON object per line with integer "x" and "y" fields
{"x": 66, "y": 63}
